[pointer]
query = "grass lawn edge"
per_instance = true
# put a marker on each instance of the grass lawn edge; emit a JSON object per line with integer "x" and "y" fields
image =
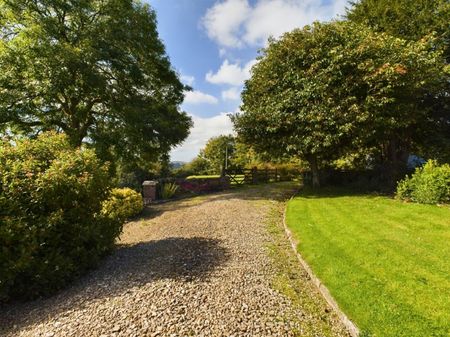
{"x": 351, "y": 327}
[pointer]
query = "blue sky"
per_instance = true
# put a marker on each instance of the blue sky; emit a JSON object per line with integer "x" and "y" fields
{"x": 213, "y": 44}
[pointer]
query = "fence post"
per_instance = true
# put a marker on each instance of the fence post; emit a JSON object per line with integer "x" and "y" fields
{"x": 254, "y": 175}
{"x": 149, "y": 191}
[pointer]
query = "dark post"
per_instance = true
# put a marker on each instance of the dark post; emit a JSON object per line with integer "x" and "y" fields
{"x": 149, "y": 191}
{"x": 254, "y": 175}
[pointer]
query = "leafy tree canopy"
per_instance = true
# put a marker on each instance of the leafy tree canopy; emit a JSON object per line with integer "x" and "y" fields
{"x": 408, "y": 19}
{"x": 93, "y": 69}
{"x": 322, "y": 90}
{"x": 211, "y": 159}
{"x": 197, "y": 166}
{"x": 414, "y": 20}
{"x": 218, "y": 152}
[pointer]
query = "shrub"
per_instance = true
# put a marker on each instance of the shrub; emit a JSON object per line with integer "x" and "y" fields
{"x": 429, "y": 184}
{"x": 168, "y": 190}
{"x": 51, "y": 225}
{"x": 122, "y": 203}
{"x": 288, "y": 172}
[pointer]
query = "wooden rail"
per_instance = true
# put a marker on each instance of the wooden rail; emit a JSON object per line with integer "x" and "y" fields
{"x": 252, "y": 176}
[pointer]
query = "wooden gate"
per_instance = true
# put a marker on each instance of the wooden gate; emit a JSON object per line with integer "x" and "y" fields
{"x": 252, "y": 176}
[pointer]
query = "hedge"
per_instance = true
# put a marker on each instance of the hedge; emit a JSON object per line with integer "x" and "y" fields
{"x": 52, "y": 228}
{"x": 429, "y": 184}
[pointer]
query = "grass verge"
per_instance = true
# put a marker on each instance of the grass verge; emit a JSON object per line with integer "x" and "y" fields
{"x": 384, "y": 261}
{"x": 293, "y": 282}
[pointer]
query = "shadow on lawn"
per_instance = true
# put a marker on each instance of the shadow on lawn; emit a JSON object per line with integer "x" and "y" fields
{"x": 130, "y": 266}
{"x": 338, "y": 192}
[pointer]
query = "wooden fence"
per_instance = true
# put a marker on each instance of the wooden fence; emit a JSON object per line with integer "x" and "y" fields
{"x": 252, "y": 176}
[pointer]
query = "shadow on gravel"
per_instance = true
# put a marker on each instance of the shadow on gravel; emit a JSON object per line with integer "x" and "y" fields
{"x": 183, "y": 259}
{"x": 134, "y": 266}
{"x": 174, "y": 258}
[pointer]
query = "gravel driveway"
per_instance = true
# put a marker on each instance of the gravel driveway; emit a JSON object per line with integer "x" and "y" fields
{"x": 216, "y": 265}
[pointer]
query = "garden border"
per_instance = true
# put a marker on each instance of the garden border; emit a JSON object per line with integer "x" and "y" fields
{"x": 351, "y": 327}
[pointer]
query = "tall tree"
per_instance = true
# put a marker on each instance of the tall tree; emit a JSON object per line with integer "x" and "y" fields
{"x": 219, "y": 152}
{"x": 94, "y": 69}
{"x": 408, "y": 19}
{"x": 319, "y": 91}
{"x": 414, "y": 20}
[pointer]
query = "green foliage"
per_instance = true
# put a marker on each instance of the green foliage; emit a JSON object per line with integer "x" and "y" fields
{"x": 246, "y": 157}
{"x": 416, "y": 20}
{"x": 429, "y": 184}
{"x": 122, "y": 204}
{"x": 288, "y": 171}
{"x": 324, "y": 90}
{"x": 240, "y": 155}
{"x": 218, "y": 153}
{"x": 198, "y": 166}
{"x": 96, "y": 70}
{"x": 132, "y": 176}
{"x": 51, "y": 226}
{"x": 168, "y": 190}
{"x": 408, "y": 19}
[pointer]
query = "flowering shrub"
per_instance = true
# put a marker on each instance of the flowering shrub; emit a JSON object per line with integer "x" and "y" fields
{"x": 203, "y": 185}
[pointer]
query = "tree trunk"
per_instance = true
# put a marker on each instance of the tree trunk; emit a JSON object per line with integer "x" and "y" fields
{"x": 396, "y": 156}
{"x": 312, "y": 160}
{"x": 79, "y": 124}
{"x": 75, "y": 138}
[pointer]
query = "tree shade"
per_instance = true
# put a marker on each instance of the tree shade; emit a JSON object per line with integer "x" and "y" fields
{"x": 93, "y": 69}
{"x": 326, "y": 89}
{"x": 415, "y": 20}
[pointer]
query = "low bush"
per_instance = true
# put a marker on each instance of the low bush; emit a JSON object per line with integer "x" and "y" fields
{"x": 122, "y": 203}
{"x": 168, "y": 190}
{"x": 51, "y": 225}
{"x": 429, "y": 184}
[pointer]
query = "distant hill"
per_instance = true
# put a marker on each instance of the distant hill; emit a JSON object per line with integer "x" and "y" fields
{"x": 177, "y": 164}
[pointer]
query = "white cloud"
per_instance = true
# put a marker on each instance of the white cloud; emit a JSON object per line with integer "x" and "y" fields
{"x": 339, "y": 7}
{"x": 230, "y": 73}
{"x": 186, "y": 79}
{"x": 203, "y": 130}
{"x": 232, "y": 94}
{"x": 198, "y": 97}
{"x": 273, "y": 18}
{"x": 236, "y": 23}
{"x": 222, "y": 21}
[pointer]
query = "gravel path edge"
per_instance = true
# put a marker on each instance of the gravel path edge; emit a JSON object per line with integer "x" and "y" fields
{"x": 323, "y": 290}
{"x": 218, "y": 265}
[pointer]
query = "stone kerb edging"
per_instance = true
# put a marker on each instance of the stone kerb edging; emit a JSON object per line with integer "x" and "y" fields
{"x": 351, "y": 327}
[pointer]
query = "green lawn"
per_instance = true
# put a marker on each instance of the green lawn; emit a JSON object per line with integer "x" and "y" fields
{"x": 212, "y": 176}
{"x": 387, "y": 263}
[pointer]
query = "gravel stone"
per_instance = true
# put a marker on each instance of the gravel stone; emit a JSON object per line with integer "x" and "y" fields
{"x": 193, "y": 267}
